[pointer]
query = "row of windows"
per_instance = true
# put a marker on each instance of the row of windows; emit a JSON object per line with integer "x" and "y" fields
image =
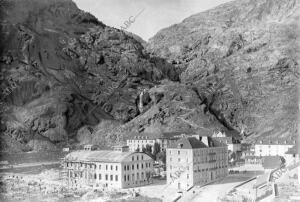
{"x": 127, "y": 177}
{"x": 200, "y": 152}
{"x": 179, "y": 159}
{"x": 127, "y": 167}
{"x": 93, "y": 166}
{"x": 142, "y": 141}
{"x": 204, "y": 169}
{"x": 137, "y": 157}
{"x": 106, "y": 177}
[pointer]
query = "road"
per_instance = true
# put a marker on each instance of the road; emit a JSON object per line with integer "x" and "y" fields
{"x": 212, "y": 192}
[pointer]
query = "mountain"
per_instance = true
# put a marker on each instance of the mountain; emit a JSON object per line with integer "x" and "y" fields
{"x": 64, "y": 72}
{"x": 242, "y": 58}
{"x": 68, "y": 79}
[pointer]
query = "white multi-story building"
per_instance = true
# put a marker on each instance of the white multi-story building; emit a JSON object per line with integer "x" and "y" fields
{"x": 116, "y": 168}
{"x": 273, "y": 147}
{"x": 139, "y": 142}
{"x": 192, "y": 161}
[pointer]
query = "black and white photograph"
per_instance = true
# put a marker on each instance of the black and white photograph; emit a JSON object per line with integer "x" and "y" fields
{"x": 149, "y": 100}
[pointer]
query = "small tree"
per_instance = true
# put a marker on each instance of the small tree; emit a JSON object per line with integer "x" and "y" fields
{"x": 156, "y": 149}
{"x": 161, "y": 156}
{"x": 137, "y": 149}
{"x": 148, "y": 149}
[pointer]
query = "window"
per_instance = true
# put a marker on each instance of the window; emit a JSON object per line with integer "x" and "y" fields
{"x": 125, "y": 178}
{"x": 132, "y": 177}
{"x": 116, "y": 167}
{"x": 178, "y": 159}
{"x": 106, "y": 167}
{"x": 99, "y": 176}
{"x": 132, "y": 167}
{"x": 95, "y": 176}
{"x": 111, "y": 177}
{"x": 142, "y": 157}
{"x": 137, "y": 166}
{"x": 142, "y": 165}
{"x": 106, "y": 177}
{"x": 99, "y": 166}
{"x": 128, "y": 177}
{"x": 132, "y": 158}
{"x": 137, "y": 158}
{"x": 111, "y": 167}
{"x": 178, "y": 152}
{"x": 137, "y": 176}
{"x": 125, "y": 167}
{"x": 116, "y": 177}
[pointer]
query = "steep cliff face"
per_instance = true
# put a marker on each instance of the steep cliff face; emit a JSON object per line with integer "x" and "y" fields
{"x": 66, "y": 78}
{"x": 62, "y": 69}
{"x": 243, "y": 59}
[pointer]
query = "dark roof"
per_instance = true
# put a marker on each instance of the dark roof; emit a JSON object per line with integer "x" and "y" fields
{"x": 227, "y": 140}
{"x": 272, "y": 162}
{"x": 233, "y": 133}
{"x": 188, "y": 143}
{"x": 193, "y": 143}
{"x": 294, "y": 150}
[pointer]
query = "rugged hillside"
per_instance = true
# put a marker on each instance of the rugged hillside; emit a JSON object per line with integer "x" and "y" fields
{"x": 66, "y": 78}
{"x": 242, "y": 58}
{"x": 62, "y": 69}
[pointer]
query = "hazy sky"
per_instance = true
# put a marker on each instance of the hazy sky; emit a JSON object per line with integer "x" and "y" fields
{"x": 157, "y": 14}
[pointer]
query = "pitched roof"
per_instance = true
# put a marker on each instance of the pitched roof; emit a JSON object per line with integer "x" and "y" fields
{"x": 272, "y": 162}
{"x": 99, "y": 156}
{"x": 188, "y": 143}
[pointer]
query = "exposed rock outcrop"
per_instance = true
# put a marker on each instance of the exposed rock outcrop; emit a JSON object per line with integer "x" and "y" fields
{"x": 242, "y": 58}
{"x": 62, "y": 69}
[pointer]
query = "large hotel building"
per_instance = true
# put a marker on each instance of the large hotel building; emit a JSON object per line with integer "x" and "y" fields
{"x": 116, "y": 168}
{"x": 195, "y": 161}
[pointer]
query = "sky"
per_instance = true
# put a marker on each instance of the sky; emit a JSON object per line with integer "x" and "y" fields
{"x": 153, "y": 14}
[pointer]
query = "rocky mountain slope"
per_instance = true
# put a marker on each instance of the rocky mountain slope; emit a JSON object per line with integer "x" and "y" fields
{"x": 242, "y": 58}
{"x": 62, "y": 69}
{"x": 66, "y": 78}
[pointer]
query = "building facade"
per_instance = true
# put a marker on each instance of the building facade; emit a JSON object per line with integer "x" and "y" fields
{"x": 164, "y": 140}
{"x": 140, "y": 142}
{"x": 273, "y": 147}
{"x": 191, "y": 161}
{"x": 116, "y": 168}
